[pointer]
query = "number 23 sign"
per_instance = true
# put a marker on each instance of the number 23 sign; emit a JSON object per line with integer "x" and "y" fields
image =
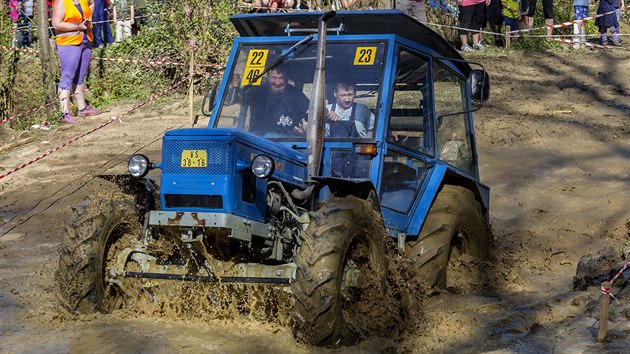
{"x": 365, "y": 56}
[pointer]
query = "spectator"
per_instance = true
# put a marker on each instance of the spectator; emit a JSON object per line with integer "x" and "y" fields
{"x": 141, "y": 12}
{"x": 124, "y": 17}
{"x": 346, "y": 4}
{"x": 494, "y": 17}
{"x": 547, "y": 12}
{"x": 470, "y": 20}
{"x": 619, "y": 5}
{"x": 272, "y": 5}
{"x": 608, "y": 21}
{"x": 511, "y": 14}
{"x": 14, "y": 8}
{"x": 24, "y": 34}
{"x": 580, "y": 11}
{"x": 74, "y": 44}
{"x": 102, "y": 29}
{"x": 414, "y": 8}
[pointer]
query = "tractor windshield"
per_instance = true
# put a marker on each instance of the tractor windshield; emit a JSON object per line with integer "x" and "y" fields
{"x": 275, "y": 105}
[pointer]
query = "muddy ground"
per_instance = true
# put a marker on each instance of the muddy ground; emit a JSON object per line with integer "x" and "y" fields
{"x": 554, "y": 146}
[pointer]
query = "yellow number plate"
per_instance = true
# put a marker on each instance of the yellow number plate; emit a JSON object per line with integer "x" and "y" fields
{"x": 365, "y": 56}
{"x": 251, "y": 76}
{"x": 194, "y": 158}
{"x": 257, "y": 58}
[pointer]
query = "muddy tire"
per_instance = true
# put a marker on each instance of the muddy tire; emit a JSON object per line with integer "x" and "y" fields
{"x": 345, "y": 238}
{"x": 454, "y": 228}
{"x": 98, "y": 226}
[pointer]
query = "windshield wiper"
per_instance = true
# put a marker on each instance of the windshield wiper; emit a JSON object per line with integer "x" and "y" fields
{"x": 279, "y": 60}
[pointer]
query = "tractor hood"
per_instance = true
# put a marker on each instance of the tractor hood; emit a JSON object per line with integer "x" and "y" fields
{"x": 210, "y": 170}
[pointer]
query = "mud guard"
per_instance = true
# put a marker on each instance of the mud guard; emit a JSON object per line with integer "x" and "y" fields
{"x": 144, "y": 191}
{"x": 343, "y": 187}
{"x": 440, "y": 175}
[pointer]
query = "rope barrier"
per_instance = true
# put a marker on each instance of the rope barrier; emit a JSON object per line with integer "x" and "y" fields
{"x": 524, "y": 32}
{"x": 34, "y": 26}
{"x": 112, "y": 119}
{"x": 592, "y": 45}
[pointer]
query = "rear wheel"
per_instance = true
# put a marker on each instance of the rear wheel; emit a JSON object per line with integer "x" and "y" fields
{"x": 340, "y": 274}
{"x": 100, "y": 227}
{"x": 453, "y": 232}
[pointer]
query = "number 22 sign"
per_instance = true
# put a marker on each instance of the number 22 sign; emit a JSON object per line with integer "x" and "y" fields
{"x": 365, "y": 56}
{"x": 256, "y": 60}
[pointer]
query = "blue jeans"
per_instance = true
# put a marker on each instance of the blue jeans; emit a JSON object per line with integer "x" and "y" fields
{"x": 24, "y": 35}
{"x": 102, "y": 31}
{"x": 512, "y": 22}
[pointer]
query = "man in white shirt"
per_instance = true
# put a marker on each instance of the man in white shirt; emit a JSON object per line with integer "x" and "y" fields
{"x": 345, "y": 109}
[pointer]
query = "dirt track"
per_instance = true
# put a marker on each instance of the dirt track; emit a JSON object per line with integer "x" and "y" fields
{"x": 554, "y": 146}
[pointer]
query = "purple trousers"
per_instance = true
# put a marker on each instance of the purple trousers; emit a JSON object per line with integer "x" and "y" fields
{"x": 75, "y": 61}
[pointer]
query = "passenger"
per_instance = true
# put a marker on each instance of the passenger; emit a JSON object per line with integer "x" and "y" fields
{"x": 345, "y": 109}
{"x": 275, "y": 106}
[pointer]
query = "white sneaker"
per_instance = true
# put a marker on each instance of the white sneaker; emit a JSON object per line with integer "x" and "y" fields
{"x": 479, "y": 46}
{"x": 466, "y": 48}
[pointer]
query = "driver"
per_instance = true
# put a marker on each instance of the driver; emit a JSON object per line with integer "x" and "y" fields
{"x": 345, "y": 109}
{"x": 275, "y": 106}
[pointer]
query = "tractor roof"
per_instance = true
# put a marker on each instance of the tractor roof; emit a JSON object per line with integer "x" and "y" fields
{"x": 356, "y": 22}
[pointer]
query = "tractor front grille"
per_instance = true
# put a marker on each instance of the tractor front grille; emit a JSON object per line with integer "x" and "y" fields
{"x": 220, "y": 159}
{"x": 193, "y": 201}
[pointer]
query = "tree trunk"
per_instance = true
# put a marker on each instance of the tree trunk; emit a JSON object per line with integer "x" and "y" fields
{"x": 45, "y": 53}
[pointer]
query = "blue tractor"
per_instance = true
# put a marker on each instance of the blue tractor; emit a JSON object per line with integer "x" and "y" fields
{"x": 329, "y": 134}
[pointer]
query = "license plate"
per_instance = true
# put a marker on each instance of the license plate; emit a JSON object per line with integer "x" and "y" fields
{"x": 194, "y": 158}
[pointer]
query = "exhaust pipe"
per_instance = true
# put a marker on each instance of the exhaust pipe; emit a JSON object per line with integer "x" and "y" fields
{"x": 315, "y": 129}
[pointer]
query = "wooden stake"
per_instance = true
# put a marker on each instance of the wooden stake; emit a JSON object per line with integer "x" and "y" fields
{"x": 507, "y": 36}
{"x": 17, "y": 143}
{"x": 604, "y": 300}
{"x": 190, "y": 87}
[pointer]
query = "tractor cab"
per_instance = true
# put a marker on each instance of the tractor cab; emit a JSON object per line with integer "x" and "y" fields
{"x": 398, "y": 102}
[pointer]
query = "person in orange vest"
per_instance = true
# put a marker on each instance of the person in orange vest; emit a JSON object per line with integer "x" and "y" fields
{"x": 72, "y": 21}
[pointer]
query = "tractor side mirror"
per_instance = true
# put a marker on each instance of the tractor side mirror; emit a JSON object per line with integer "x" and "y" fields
{"x": 208, "y": 100}
{"x": 479, "y": 82}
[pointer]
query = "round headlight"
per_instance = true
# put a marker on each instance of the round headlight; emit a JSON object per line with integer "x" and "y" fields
{"x": 263, "y": 166}
{"x": 138, "y": 165}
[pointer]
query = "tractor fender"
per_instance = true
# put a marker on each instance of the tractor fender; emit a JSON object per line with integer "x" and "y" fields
{"x": 440, "y": 175}
{"x": 144, "y": 190}
{"x": 343, "y": 187}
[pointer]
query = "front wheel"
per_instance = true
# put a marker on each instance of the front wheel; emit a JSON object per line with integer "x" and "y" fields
{"x": 100, "y": 227}
{"x": 341, "y": 273}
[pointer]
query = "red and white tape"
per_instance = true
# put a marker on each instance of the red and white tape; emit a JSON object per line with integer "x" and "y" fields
{"x": 151, "y": 62}
{"x": 51, "y": 151}
{"x": 30, "y": 111}
{"x": 605, "y": 290}
{"x": 23, "y": 50}
{"x": 118, "y": 60}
